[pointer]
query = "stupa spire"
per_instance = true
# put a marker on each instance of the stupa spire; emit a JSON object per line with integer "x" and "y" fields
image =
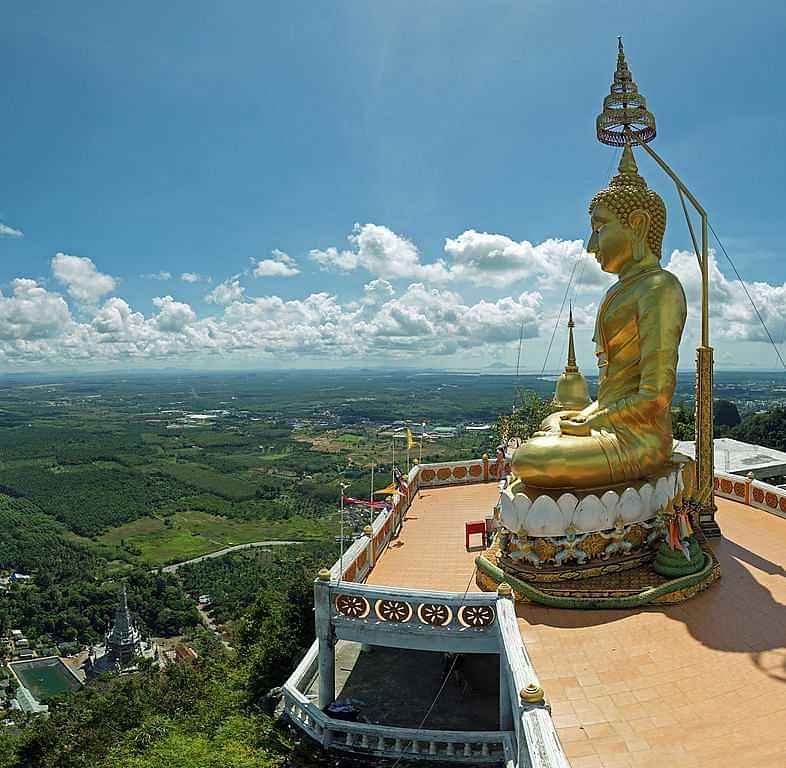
{"x": 571, "y": 367}
{"x": 571, "y": 392}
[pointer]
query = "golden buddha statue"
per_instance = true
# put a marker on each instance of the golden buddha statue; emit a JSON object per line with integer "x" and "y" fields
{"x": 626, "y": 434}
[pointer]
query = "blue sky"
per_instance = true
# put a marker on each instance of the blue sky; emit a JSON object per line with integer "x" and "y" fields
{"x": 241, "y": 141}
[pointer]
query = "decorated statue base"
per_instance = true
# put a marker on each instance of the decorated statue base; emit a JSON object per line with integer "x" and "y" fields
{"x": 613, "y": 547}
{"x": 607, "y": 588}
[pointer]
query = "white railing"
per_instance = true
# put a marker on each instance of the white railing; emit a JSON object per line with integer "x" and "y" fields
{"x": 754, "y": 493}
{"x": 406, "y": 618}
{"x": 471, "y": 747}
{"x": 536, "y": 739}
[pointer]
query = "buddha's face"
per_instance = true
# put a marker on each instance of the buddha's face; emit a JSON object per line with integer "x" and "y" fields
{"x": 611, "y": 241}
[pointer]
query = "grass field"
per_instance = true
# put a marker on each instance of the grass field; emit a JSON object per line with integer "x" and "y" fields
{"x": 189, "y": 534}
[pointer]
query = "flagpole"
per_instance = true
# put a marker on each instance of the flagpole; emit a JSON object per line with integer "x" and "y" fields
{"x": 341, "y": 515}
{"x": 371, "y": 494}
{"x": 420, "y": 452}
{"x": 409, "y": 432}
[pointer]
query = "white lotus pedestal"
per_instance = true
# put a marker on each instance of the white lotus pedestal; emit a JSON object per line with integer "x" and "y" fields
{"x": 548, "y": 536}
{"x": 595, "y": 549}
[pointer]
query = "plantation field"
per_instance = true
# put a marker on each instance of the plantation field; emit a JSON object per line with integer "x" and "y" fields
{"x": 204, "y": 478}
{"x": 185, "y": 535}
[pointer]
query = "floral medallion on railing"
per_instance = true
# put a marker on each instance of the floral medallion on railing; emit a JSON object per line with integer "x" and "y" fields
{"x": 353, "y": 606}
{"x": 397, "y": 611}
{"x": 476, "y": 616}
{"x": 435, "y": 614}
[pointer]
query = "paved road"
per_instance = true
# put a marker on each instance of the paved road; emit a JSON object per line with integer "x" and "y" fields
{"x": 275, "y": 543}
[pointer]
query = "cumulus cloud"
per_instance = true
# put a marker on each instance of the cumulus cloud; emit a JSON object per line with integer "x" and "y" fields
{"x": 81, "y": 278}
{"x": 480, "y": 258}
{"x": 280, "y": 265}
{"x": 117, "y": 321}
{"x": 173, "y": 316}
{"x": 6, "y": 231}
{"x": 227, "y": 292}
{"x": 497, "y": 261}
{"x": 728, "y": 302}
{"x": 163, "y": 275}
{"x": 32, "y": 312}
{"x": 392, "y": 318}
{"x": 195, "y": 277}
{"x": 383, "y": 253}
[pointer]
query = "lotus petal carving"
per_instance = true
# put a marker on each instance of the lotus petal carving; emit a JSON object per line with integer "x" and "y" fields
{"x": 545, "y": 518}
{"x": 590, "y": 514}
{"x": 632, "y": 505}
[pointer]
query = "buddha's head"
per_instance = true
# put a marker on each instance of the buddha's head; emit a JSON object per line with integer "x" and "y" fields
{"x": 628, "y": 220}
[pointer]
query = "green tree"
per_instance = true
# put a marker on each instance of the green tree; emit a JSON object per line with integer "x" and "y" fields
{"x": 682, "y": 422}
{"x": 767, "y": 429}
{"x": 528, "y": 413}
{"x": 726, "y": 414}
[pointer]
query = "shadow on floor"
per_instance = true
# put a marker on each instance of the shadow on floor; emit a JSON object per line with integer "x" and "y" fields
{"x": 397, "y": 687}
{"x": 739, "y": 614}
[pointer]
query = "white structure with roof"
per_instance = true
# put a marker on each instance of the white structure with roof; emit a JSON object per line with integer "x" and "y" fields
{"x": 739, "y": 458}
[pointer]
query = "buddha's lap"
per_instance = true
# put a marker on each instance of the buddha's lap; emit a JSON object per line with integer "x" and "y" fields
{"x": 556, "y": 460}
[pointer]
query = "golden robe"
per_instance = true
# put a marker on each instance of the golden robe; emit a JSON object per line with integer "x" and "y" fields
{"x": 637, "y": 335}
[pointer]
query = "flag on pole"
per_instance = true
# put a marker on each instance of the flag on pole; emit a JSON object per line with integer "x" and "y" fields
{"x": 352, "y": 502}
{"x": 399, "y": 481}
{"x": 387, "y": 491}
{"x": 410, "y": 440}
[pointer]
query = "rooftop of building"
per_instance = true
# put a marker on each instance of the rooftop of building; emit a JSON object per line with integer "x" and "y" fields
{"x": 696, "y": 684}
{"x": 739, "y": 458}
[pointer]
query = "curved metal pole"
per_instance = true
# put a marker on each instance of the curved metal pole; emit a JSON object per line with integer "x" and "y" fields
{"x": 705, "y": 453}
{"x": 703, "y": 256}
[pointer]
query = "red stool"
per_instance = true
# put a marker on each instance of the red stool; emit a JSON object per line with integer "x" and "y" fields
{"x": 474, "y": 526}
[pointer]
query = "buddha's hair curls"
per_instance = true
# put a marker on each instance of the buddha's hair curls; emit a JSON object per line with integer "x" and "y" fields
{"x": 628, "y": 192}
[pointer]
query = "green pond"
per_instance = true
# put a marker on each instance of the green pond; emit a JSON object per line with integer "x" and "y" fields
{"x": 45, "y": 678}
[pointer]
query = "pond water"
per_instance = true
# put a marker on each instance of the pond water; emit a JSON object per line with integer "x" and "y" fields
{"x": 45, "y": 678}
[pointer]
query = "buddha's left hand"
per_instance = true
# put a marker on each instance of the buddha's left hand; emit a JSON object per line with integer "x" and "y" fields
{"x": 582, "y": 426}
{"x": 578, "y": 426}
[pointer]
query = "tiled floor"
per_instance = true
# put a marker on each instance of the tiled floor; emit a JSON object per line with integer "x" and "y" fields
{"x": 698, "y": 684}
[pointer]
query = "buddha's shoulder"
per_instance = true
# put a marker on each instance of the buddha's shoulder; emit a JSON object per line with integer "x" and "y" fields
{"x": 663, "y": 282}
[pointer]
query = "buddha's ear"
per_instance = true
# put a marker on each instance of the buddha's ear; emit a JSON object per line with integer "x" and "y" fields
{"x": 639, "y": 222}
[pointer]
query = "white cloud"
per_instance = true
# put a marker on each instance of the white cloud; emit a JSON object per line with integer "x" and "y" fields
{"x": 32, "y": 312}
{"x": 281, "y": 265}
{"x": 6, "y": 231}
{"x": 163, "y": 275}
{"x": 227, "y": 292}
{"x": 480, "y": 258}
{"x": 116, "y": 320}
{"x": 195, "y": 277}
{"x": 173, "y": 316}
{"x": 417, "y": 320}
{"x": 81, "y": 278}
{"x": 728, "y": 301}
{"x": 383, "y": 253}
{"x": 497, "y": 261}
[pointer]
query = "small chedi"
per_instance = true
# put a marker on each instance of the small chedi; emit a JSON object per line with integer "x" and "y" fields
{"x": 599, "y": 489}
{"x": 123, "y": 644}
